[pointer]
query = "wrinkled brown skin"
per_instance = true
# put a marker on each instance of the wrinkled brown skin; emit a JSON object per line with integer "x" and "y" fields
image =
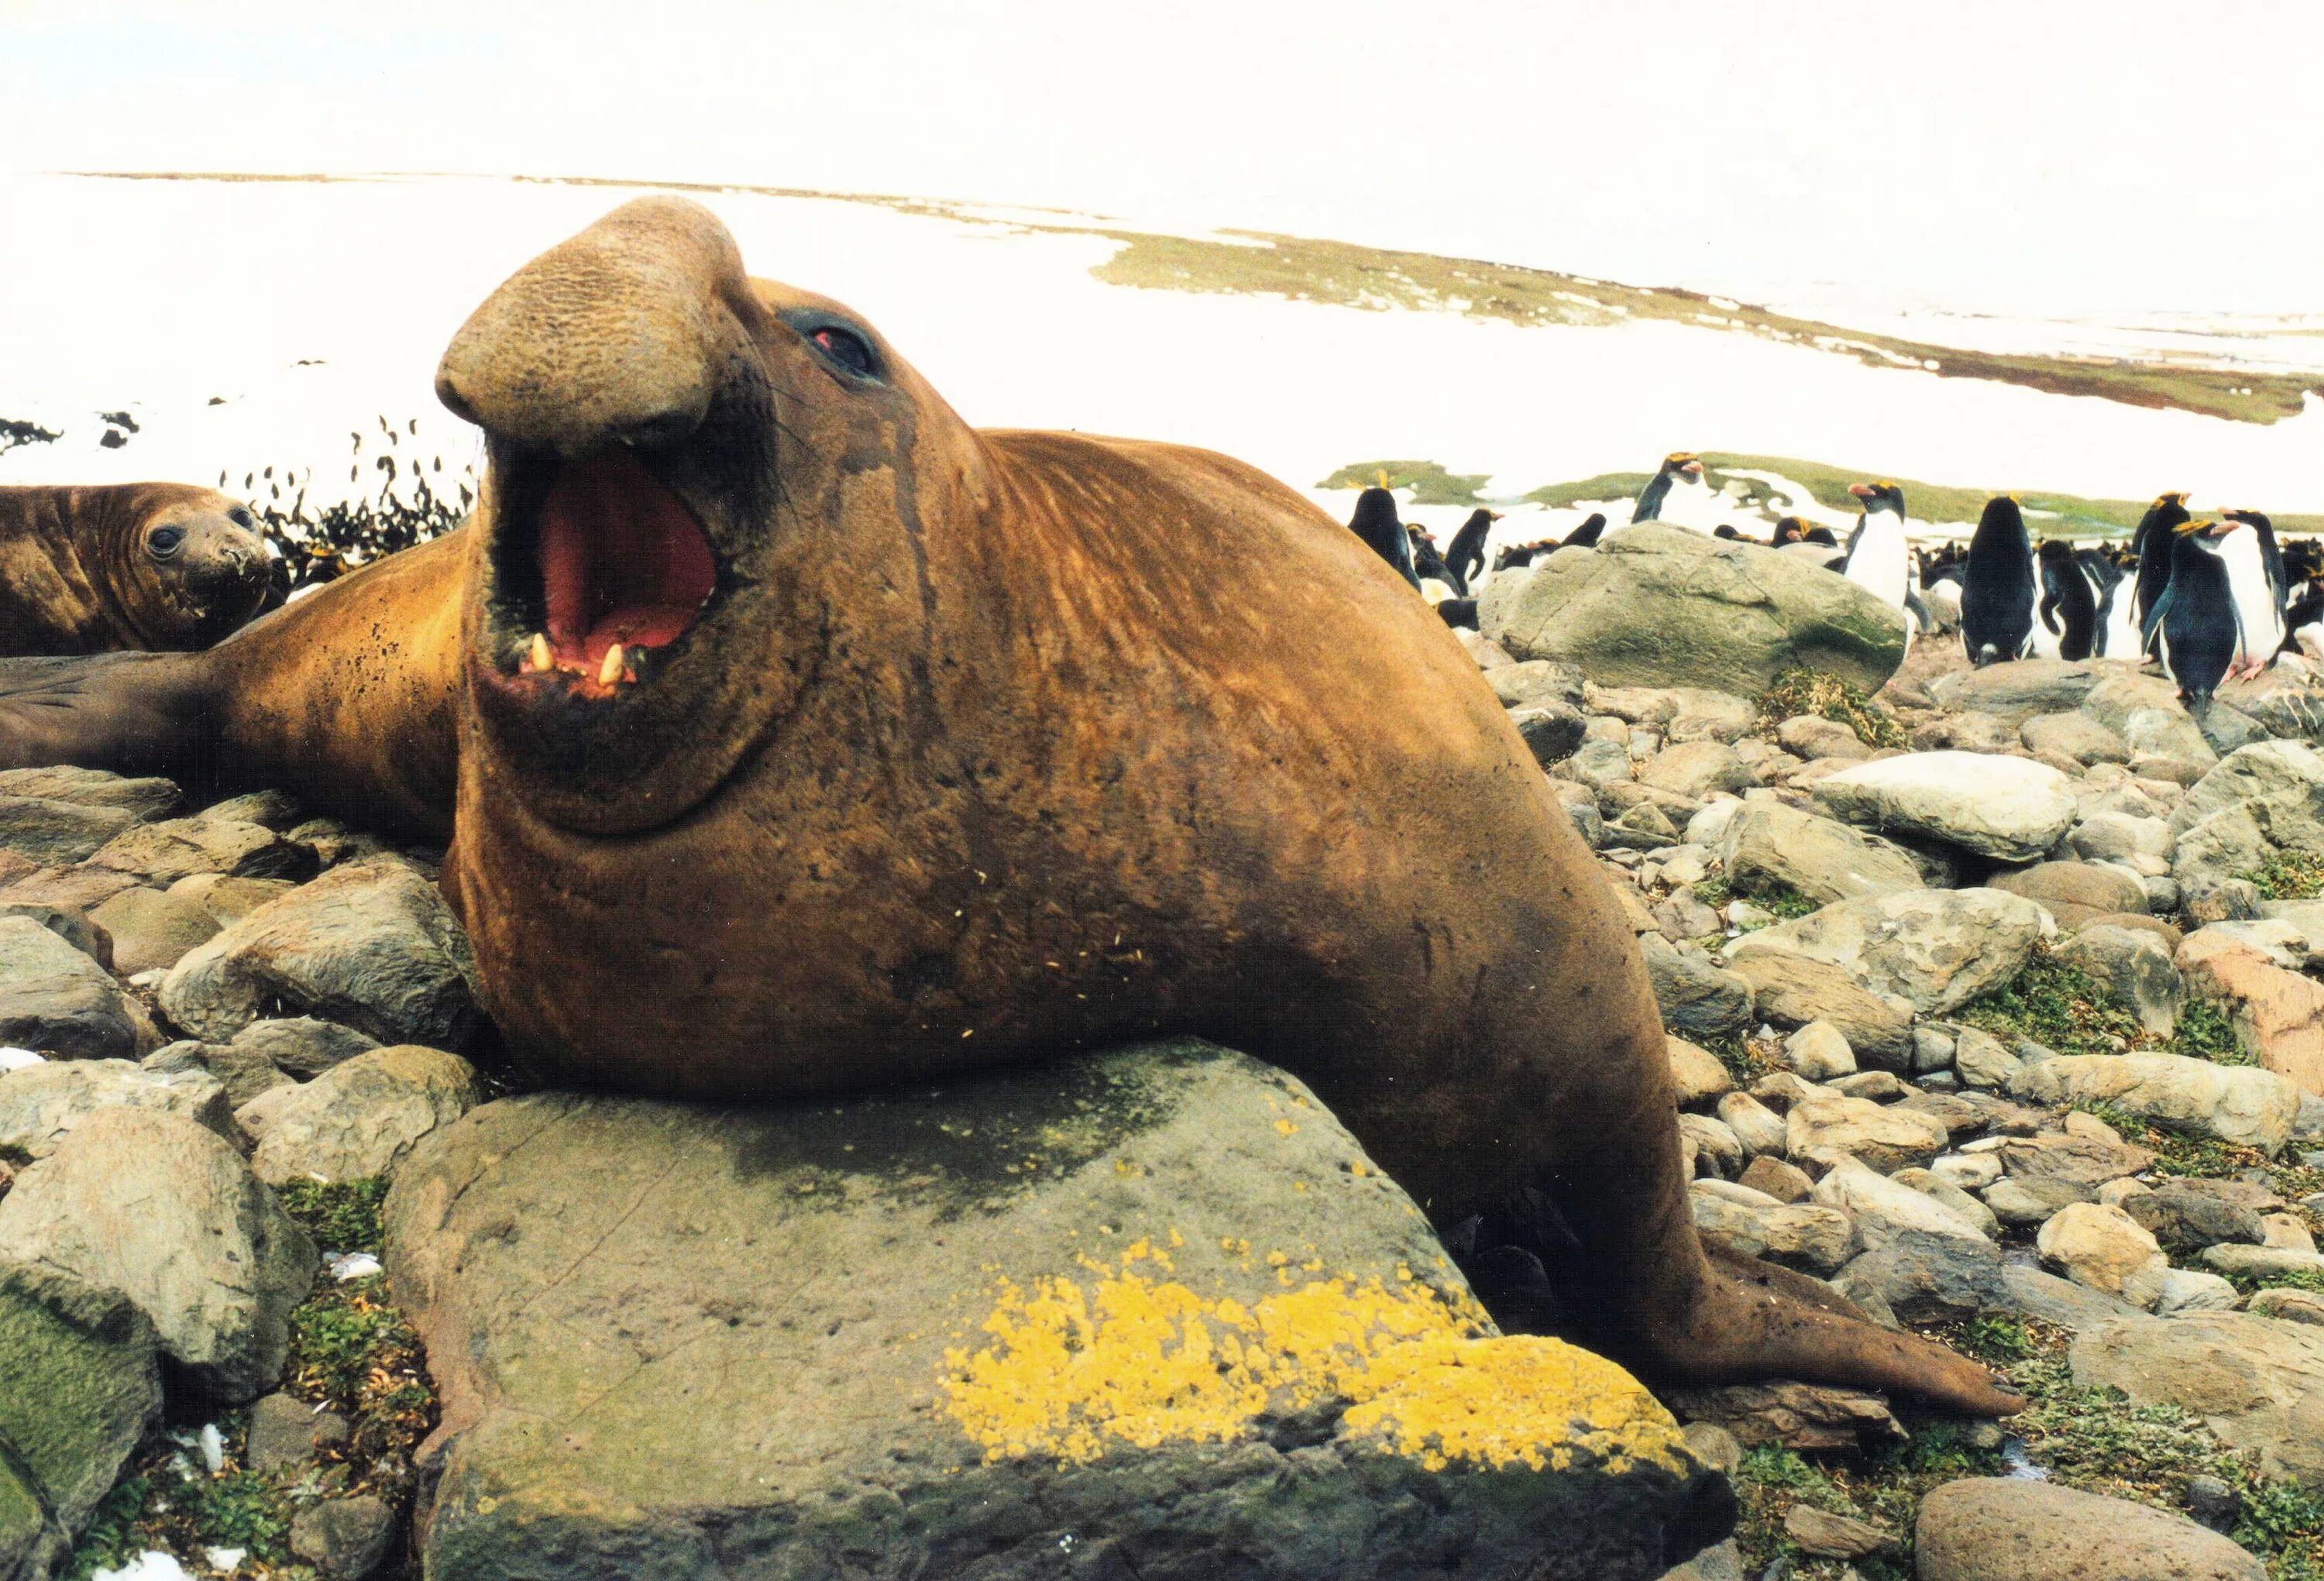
{"x": 984, "y": 763}
{"x": 76, "y": 576}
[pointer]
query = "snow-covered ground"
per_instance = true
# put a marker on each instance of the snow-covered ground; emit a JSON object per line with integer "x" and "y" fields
{"x": 244, "y": 325}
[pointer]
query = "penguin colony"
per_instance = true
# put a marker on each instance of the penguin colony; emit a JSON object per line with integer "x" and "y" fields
{"x": 2210, "y": 599}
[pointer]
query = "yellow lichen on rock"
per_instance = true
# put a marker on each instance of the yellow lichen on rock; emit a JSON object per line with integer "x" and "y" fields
{"x": 1139, "y": 1361}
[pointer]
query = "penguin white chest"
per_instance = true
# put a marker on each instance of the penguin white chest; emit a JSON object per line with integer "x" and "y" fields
{"x": 2259, "y": 623}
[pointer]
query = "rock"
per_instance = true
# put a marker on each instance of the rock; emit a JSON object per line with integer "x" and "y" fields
{"x": 2278, "y": 1014}
{"x": 370, "y": 945}
{"x": 1681, "y": 916}
{"x": 1769, "y": 844}
{"x": 1879, "y": 1086}
{"x": 1697, "y": 1073}
{"x": 57, "y": 834}
{"x": 1982, "y": 733}
{"x": 1936, "y": 949}
{"x": 54, "y": 999}
{"x": 229, "y": 900}
{"x": 2257, "y": 1383}
{"x": 2237, "y": 1104}
{"x": 1980, "y": 1060}
{"x": 1972, "y": 1171}
{"x": 2096, "y": 1246}
{"x": 81, "y": 890}
{"x": 1550, "y": 732}
{"x": 1886, "y": 1139}
{"x": 2075, "y": 736}
{"x": 1818, "y": 1052}
{"x": 151, "y": 929}
{"x": 2167, "y": 734}
{"x": 2015, "y": 1529}
{"x": 2259, "y": 800}
{"x": 244, "y": 1073}
{"x": 269, "y": 809}
{"x": 345, "y": 1538}
{"x": 302, "y": 1045}
{"x": 162, "y": 853}
{"x": 79, "y": 1383}
{"x": 1663, "y": 606}
{"x": 360, "y": 1118}
{"x": 2286, "y": 1232}
{"x": 1793, "y": 1415}
{"x": 2061, "y": 1301}
{"x": 2026, "y": 1203}
{"x": 2011, "y": 809}
{"x": 2186, "y": 1215}
{"x": 286, "y": 1434}
{"x": 1945, "y": 1194}
{"x": 92, "y": 787}
{"x": 1537, "y": 683}
{"x": 1714, "y": 1446}
{"x": 1883, "y": 1210}
{"x": 1785, "y": 1182}
{"x": 1757, "y": 1127}
{"x": 2289, "y": 1305}
{"x": 2074, "y": 891}
{"x": 1489, "y": 655}
{"x": 2085, "y": 1161}
{"x": 2136, "y": 965}
{"x": 165, "y": 1211}
{"x": 1793, "y": 990}
{"x": 73, "y": 925}
{"x": 1698, "y": 998}
{"x": 2263, "y": 1262}
{"x": 1806, "y": 1236}
{"x": 1828, "y": 1536}
{"x": 2016, "y": 691}
{"x": 41, "y": 1104}
{"x": 2214, "y": 1503}
{"x": 2116, "y": 837}
{"x": 1696, "y": 768}
{"x": 1812, "y": 736}
{"x": 1722, "y": 1562}
{"x": 916, "y": 1406}
{"x": 1925, "y": 1261}
{"x": 1711, "y": 1144}
{"x": 2173, "y": 1291}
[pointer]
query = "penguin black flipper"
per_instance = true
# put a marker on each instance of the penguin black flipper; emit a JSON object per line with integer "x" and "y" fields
{"x": 1920, "y": 611}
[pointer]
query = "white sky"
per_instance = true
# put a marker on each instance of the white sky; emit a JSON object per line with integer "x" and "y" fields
{"x": 2082, "y": 158}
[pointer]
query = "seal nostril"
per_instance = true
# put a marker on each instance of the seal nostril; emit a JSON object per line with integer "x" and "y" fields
{"x": 453, "y": 401}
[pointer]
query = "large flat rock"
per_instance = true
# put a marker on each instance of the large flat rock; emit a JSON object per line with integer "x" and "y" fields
{"x": 1655, "y": 605}
{"x": 1152, "y": 1314}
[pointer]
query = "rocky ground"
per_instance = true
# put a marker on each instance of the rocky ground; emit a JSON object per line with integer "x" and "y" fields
{"x": 1993, "y": 1001}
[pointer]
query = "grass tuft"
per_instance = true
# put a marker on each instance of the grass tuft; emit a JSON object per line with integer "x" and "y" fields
{"x": 1828, "y": 696}
{"x": 1430, "y": 483}
{"x": 2288, "y": 874}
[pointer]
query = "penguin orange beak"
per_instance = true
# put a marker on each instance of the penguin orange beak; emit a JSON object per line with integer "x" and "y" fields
{"x": 1861, "y": 491}
{"x": 1693, "y": 469}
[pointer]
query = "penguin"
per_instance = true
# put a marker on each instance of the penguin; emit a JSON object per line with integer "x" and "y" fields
{"x": 1587, "y": 535}
{"x": 1466, "y": 560}
{"x": 2070, "y": 605}
{"x": 1879, "y": 560}
{"x": 1725, "y": 530}
{"x": 1820, "y": 534}
{"x": 1457, "y": 611}
{"x": 1375, "y": 522}
{"x": 2153, "y": 543}
{"x": 2256, "y": 580}
{"x": 1426, "y": 561}
{"x": 1675, "y": 494}
{"x": 2116, "y": 588}
{"x": 2303, "y": 621}
{"x": 2192, "y": 628}
{"x": 1997, "y": 587}
{"x": 1789, "y": 529}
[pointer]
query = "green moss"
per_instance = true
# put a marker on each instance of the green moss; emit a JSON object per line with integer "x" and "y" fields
{"x": 342, "y": 1216}
{"x": 1742, "y": 1058}
{"x": 1776, "y": 899}
{"x": 2057, "y": 1006}
{"x": 1430, "y": 483}
{"x": 2205, "y": 1032}
{"x": 1828, "y": 696}
{"x": 2288, "y": 874}
{"x": 111, "y": 1538}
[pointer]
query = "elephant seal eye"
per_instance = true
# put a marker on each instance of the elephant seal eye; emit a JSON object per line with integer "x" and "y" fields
{"x": 240, "y": 518}
{"x": 163, "y": 542}
{"x": 846, "y": 348}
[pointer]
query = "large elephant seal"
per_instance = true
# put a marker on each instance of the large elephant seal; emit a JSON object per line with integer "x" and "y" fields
{"x": 793, "y": 735}
{"x": 162, "y": 566}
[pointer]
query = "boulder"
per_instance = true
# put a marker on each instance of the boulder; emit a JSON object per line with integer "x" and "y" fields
{"x": 371, "y": 945}
{"x": 1537, "y": 683}
{"x": 57, "y": 834}
{"x": 2084, "y": 1161}
{"x": 2032, "y": 1201}
{"x": 2258, "y": 1383}
{"x": 1812, "y": 736}
{"x": 1947, "y": 1195}
{"x": 2011, "y": 809}
{"x": 2075, "y": 892}
{"x": 54, "y": 999}
{"x": 2259, "y": 800}
{"x": 1937, "y": 949}
{"x": 2016, "y": 691}
{"x": 346, "y": 1538}
{"x": 1663, "y": 606}
{"x": 2120, "y": 837}
{"x": 1792, "y": 990}
{"x": 286, "y": 1433}
{"x": 1828, "y": 1536}
{"x": 359, "y": 1119}
{"x": 2186, "y": 1215}
{"x": 1769, "y": 844}
{"x": 1711, "y": 1145}
{"x": 92, "y": 787}
{"x": 2069, "y": 1306}
{"x": 244, "y": 1073}
{"x": 79, "y": 1383}
{"x": 2289, "y": 1305}
{"x": 1805, "y": 1236}
{"x": 41, "y": 1104}
{"x": 2264, "y": 1261}
{"x": 2240, "y": 1104}
{"x": 1818, "y": 1052}
{"x": 162, "y": 853}
{"x": 229, "y": 900}
{"x": 1697, "y": 1073}
{"x": 1699, "y": 997}
{"x": 151, "y": 929}
{"x": 2278, "y": 1014}
{"x": 1757, "y": 1127}
{"x": 1772, "y": 1177}
{"x": 1884, "y": 1137}
{"x": 2015, "y": 1529}
{"x": 1108, "y": 1308}
{"x": 2136, "y": 965}
{"x": 2100, "y": 1246}
{"x": 165, "y": 1211}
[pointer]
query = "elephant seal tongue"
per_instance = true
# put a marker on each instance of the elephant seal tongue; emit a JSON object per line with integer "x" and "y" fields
{"x": 623, "y": 561}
